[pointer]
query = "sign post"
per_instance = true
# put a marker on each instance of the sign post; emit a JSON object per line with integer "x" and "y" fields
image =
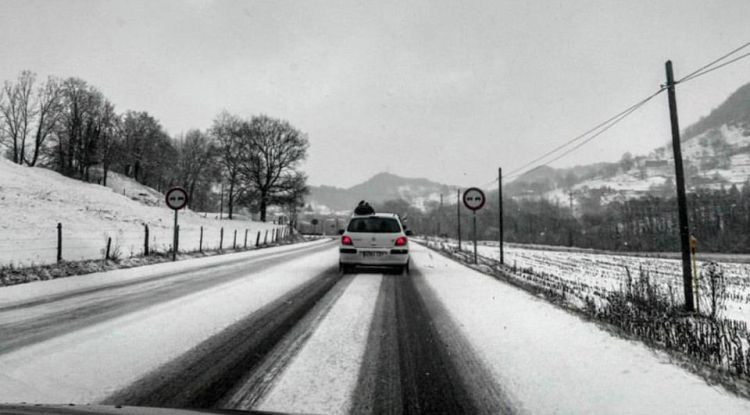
{"x": 474, "y": 200}
{"x": 177, "y": 199}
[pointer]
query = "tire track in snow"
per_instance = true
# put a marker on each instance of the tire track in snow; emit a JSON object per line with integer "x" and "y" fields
{"x": 68, "y": 312}
{"x": 417, "y": 363}
{"x": 260, "y": 380}
{"x": 203, "y": 376}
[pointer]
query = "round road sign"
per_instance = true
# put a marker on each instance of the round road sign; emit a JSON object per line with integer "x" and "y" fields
{"x": 314, "y": 222}
{"x": 474, "y": 198}
{"x": 177, "y": 198}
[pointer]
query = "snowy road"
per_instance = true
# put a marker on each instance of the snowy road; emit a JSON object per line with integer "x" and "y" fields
{"x": 281, "y": 330}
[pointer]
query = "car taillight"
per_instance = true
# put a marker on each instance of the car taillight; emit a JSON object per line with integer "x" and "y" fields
{"x": 345, "y": 240}
{"x": 401, "y": 241}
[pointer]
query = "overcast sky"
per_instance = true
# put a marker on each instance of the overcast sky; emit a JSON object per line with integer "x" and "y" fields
{"x": 447, "y": 90}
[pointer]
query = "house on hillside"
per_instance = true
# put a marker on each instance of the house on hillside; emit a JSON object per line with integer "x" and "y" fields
{"x": 656, "y": 168}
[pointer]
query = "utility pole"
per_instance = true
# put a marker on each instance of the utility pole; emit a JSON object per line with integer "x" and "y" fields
{"x": 570, "y": 230}
{"x": 458, "y": 216}
{"x": 680, "y": 185}
{"x": 440, "y": 215}
{"x": 500, "y": 211}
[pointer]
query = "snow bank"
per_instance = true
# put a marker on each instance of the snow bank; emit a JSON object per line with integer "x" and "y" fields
{"x": 34, "y": 200}
{"x": 553, "y": 362}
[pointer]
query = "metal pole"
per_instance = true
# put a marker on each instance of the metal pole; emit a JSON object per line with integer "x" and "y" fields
{"x": 500, "y": 212}
{"x": 458, "y": 216}
{"x": 681, "y": 198}
{"x": 174, "y": 238}
{"x": 474, "y": 225}
{"x": 145, "y": 241}
{"x": 59, "y": 242}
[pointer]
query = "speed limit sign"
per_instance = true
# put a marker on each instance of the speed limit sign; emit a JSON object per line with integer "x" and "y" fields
{"x": 474, "y": 198}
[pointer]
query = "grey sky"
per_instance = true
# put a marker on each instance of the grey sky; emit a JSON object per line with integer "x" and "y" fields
{"x": 448, "y": 90}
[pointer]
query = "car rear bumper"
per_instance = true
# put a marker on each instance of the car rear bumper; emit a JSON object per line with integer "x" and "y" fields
{"x": 354, "y": 256}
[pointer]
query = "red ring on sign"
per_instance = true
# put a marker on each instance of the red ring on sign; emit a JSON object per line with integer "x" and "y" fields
{"x": 474, "y": 189}
{"x": 172, "y": 190}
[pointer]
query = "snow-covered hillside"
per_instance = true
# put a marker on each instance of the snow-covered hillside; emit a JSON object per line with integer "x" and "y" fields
{"x": 34, "y": 200}
{"x": 419, "y": 193}
{"x": 715, "y": 151}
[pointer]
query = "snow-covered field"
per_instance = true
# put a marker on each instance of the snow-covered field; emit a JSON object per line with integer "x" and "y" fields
{"x": 34, "y": 200}
{"x": 607, "y": 272}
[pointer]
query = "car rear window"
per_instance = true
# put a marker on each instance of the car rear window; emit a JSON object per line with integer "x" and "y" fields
{"x": 374, "y": 225}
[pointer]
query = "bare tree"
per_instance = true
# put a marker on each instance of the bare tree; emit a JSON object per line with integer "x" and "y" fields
{"x": 270, "y": 159}
{"x": 109, "y": 133}
{"x": 147, "y": 149}
{"x": 49, "y": 112}
{"x": 195, "y": 153}
{"x": 18, "y": 111}
{"x": 229, "y": 131}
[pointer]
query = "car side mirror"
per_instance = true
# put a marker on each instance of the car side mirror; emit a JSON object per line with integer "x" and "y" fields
{"x": 341, "y": 231}
{"x": 409, "y": 233}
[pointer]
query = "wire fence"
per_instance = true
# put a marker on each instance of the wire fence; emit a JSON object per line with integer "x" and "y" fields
{"x": 75, "y": 244}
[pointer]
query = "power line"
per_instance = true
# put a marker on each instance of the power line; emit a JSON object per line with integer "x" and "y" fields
{"x": 610, "y": 122}
{"x": 699, "y": 74}
{"x": 604, "y": 126}
{"x": 695, "y": 72}
{"x": 587, "y": 140}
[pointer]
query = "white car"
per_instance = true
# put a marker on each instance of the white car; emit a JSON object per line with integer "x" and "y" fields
{"x": 377, "y": 240}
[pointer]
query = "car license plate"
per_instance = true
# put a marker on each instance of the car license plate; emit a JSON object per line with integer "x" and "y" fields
{"x": 372, "y": 253}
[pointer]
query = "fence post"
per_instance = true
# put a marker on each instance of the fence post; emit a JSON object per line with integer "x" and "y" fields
{"x": 109, "y": 243}
{"x": 221, "y": 238}
{"x": 234, "y": 241}
{"x": 200, "y": 242}
{"x": 145, "y": 241}
{"x": 59, "y": 242}
{"x": 265, "y": 238}
{"x": 245, "y": 238}
{"x": 257, "y": 240}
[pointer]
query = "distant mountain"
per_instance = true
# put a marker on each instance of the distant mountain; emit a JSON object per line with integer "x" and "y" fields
{"x": 379, "y": 188}
{"x": 715, "y": 150}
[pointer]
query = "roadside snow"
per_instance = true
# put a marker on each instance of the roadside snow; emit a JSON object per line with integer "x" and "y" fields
{"x": 553, "y": 362}
{"x": 34, "y": 200}
{"x": 323, "y": 376}
{"x": 87, "y": 365}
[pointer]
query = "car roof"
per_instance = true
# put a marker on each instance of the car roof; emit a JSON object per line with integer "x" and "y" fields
{"x": 378, "y": 215}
